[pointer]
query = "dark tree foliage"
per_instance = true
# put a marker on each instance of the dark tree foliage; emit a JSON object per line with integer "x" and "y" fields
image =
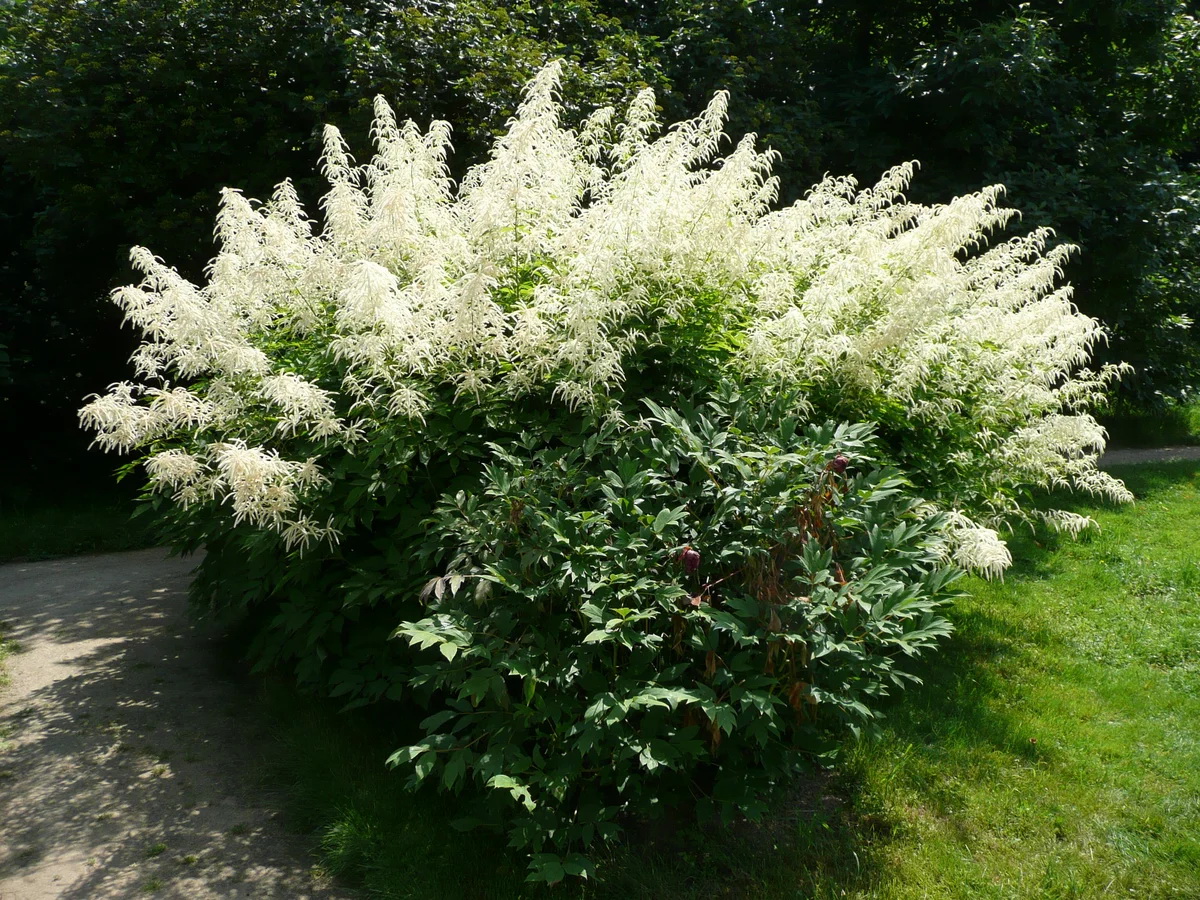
{"x": 120, "y": 120}
{"x": 1086, "y": 109}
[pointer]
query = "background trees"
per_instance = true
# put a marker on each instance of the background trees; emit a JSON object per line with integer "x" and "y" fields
{"x": 1087, "y": 111}
{"x": 120, "y": 120}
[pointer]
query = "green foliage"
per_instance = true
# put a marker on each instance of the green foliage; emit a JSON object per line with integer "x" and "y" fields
{"x": 619, "y": 613}
{"x": 44, "y": 523}
{"x": 1174, "y": 424}
{"x": 327, "y": 614}
{"x": 666, "y": 611}
{"x": 562, "y": 631}
{"x": 120, "y": 121}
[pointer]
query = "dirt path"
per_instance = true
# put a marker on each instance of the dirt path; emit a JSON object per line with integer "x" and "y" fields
{"x": 126, "y": 747}
{"x": 1157, "y": 454}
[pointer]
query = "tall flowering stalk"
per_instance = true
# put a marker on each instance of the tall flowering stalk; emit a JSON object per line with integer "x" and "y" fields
{"x": 562, "y": 257}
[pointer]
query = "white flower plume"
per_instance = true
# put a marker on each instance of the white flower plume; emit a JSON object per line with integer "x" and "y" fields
{"x": 560, "y": 256}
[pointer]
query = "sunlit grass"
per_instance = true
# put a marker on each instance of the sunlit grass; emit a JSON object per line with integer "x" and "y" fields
{"x": 1055, "y": 748}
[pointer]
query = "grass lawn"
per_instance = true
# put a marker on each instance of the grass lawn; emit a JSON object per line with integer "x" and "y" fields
{"x": 1053, "y": 751}
{"x": 96, "y": 521}
{"x": 1176, "y": 424}
{"x": 1055, "y": 748}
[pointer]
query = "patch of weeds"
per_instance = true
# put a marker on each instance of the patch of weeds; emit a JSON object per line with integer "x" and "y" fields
{"x": 160, "y": 770}
{"x": 153, "y": 886}
{"x": 156, "y": 850}
{"x": 8, "y": 647}
{"x": 239, "y": 829}
{"x": 189, "y": 860}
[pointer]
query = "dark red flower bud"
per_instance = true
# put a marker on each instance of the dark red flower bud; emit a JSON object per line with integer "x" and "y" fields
{"x": 690, "y": 559}
{"x": 839, "y": 464}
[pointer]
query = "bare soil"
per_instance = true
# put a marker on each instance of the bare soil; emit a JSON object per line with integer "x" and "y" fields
{"x": 128, "y": 747}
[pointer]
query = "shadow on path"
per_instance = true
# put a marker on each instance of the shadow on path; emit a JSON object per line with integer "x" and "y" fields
{"x": 127, "y": 748}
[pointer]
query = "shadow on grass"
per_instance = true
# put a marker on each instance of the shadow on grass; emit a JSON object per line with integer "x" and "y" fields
{"x": 1034, "y": 550}
{"x": 95, "y": 518}
{"x": 1147, "y": 479}
{"x": 371, "y": 830}
{"x": 827, "y": 836}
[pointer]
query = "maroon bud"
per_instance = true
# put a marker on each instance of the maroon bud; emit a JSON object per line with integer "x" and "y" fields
{"x": 839, "y": 464}
{"x": 690, "y": 559}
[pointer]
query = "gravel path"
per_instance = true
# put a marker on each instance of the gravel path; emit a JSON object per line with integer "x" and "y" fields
{"x": 127, "y": 747}
{"x": 1157, "y": 454}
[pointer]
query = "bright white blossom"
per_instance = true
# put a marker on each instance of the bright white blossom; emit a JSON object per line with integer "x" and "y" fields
{"x": 559, "y": 255}
{"x": 976, "y": 548}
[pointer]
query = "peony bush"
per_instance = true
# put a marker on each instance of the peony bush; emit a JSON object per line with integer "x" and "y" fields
{"x": 345, "y": 417}
{"x": 674, "y": 613}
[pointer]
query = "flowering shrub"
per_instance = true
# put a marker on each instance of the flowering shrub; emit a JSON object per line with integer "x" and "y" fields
{"x": 570, "y": 260}
{"x": 450, "y": 383}
{"x": 665, "y": 609}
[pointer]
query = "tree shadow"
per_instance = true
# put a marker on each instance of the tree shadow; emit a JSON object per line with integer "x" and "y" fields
{"x": 130, "y": 743}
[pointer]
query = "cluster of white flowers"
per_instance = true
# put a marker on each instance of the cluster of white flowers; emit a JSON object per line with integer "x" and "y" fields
{"x": 261, "y": 487}
{"x": 977, "y": 548}
{"x": 559, "y": 254}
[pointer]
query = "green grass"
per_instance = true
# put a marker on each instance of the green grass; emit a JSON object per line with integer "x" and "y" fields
{"x": 1055, "y": 748}
{"x": 1173, "y": 425}
{"x": 1053, "y": 751}
{"x": 95, "y": 522}
{"x": 7, "y": 648}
